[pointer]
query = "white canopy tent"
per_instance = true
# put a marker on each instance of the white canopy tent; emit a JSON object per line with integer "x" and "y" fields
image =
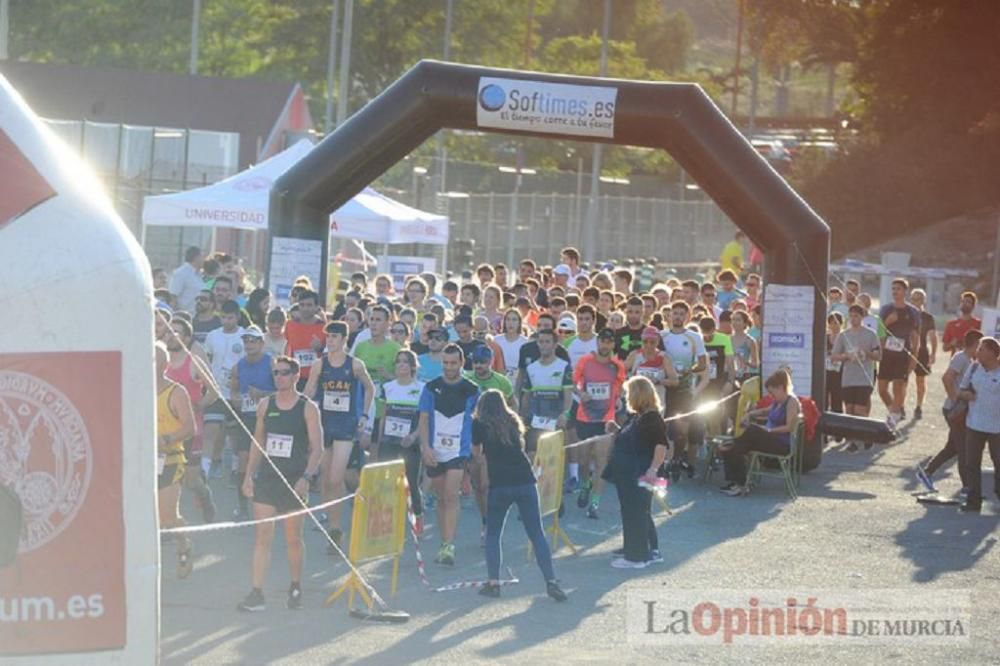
{"x": 242, "y": 202}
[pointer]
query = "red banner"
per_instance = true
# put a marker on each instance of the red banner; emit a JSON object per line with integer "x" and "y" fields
{"x": 21, "y": 187}
{"x": 61, "y": 454}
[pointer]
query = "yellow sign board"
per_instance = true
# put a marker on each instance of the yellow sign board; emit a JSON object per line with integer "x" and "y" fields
{"x": 379, "y": 519}
{"x": 550, "y": 466}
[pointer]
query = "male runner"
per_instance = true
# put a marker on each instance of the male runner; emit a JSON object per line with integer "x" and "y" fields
{"x": 598, "y": 379}
{"x": 687, "y": 352}
{"x": 857, "y": 348}
{"x": 305, "y": 336}
{"x": 629, "y": 337}
{"x": 224, "y": 347}
{"x": 335, "y": 384}
{"x": 954, "y": 331}
{"x": 899, "y": 348}
{"x": 466, "y": 341}
{"x": 250, "y": 382}
{"x": 378, "y": 352}
{"x": 446, "y": 407}
{"x": 721, "y": 370}
{"x": 547, "y": 392}
{"x": 289, "y": 429}
{"x": 205, "y": 317}
{"x": 430, "y": 366}
{"x": 174, "y": 425}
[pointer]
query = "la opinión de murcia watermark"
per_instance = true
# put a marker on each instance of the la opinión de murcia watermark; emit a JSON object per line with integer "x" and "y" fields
{"x": 858, "y": 617}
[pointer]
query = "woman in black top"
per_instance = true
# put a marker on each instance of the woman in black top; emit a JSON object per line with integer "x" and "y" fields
{"x": 498, "y": 434}
{"x": 640, "y": 448}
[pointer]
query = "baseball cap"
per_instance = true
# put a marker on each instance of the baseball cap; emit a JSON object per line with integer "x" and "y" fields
{"x": 650, "y": 333}
{"x": 482, "y": 354}
{"x": 253, "y": 332}
{"x": 562, "y": 269}
{"x": 606, "y": 334}
{"x": 567, "y": 324}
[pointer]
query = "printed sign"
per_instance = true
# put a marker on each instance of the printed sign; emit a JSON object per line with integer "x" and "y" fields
{"x": 61, "y": 454}
{"x": 401, "y": 267}
{"x": 788, "y": 324}
{"x": 550, "y": 459}
{"x": 290, "y": 258}
{"x": 991, "y": 322}
{"x": 552, "y": 108}
{"x": 379, "y": 512}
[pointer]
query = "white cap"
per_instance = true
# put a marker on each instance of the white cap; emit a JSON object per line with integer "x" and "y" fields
{"x": 562, "y": 269}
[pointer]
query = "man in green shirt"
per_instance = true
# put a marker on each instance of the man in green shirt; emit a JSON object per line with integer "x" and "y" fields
{"x": 483, "y": 375}
{"x": 378, "y": 354}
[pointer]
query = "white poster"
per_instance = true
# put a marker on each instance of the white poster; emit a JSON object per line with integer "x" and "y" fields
{"x": 991, "y": 322}
{"x": 290, "y": 258}
{"x": 401, "y": 267}
{"x": 788, "y": 332}
{"x": 553, "y": 108}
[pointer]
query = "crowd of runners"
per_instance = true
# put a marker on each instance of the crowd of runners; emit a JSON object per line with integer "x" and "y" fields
{"x": 460, "y": 377}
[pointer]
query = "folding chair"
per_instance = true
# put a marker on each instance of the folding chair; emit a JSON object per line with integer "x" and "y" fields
{"x": 789, "y": 464}
{"x": 749, "y": 395}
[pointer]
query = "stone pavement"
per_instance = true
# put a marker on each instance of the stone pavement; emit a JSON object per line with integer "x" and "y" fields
{"x": 856, "y": 526}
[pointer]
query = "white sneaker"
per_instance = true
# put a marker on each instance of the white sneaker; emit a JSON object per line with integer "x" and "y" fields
{"x": 622, "y": 563}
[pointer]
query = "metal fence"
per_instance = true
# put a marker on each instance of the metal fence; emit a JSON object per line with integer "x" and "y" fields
{"x": 508, "y": 227}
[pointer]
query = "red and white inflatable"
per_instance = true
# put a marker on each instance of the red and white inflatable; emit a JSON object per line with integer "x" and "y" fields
{"x": 77, "y": 421}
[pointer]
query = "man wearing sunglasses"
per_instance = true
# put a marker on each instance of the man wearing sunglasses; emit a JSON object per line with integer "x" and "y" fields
{"x": 430, "y": 362}
{"x": 289, "y": 430}
{"x": 250, "y": 382}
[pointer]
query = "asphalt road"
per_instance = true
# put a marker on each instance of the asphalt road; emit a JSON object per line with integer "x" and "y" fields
{"x": 855, "y": 527}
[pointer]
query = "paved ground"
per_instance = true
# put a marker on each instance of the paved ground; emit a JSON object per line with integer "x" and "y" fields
{"x": 856, "y": 526}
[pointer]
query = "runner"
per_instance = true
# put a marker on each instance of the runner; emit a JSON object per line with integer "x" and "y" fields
{"x": 598, "y": 379}
{"x": 689, "y": 357}
{"x": 446, "y": 406}
{"x": 430, "y": 366}
{"x": 498, "y": 437}
{"x": 746, "y": 354}
{"x": 902, "y": 322}
{"x": 926, "y": 353}
{"x": 275, "y": 342}
{"x": 954, "y": 330}
{"x": 398, "y": 439}
{"x": 224, "y": 347}
{"x": 530, "y": 353}
{"x": 174, "y": 425}
{"x": 485, "y": 378}
{"x": 834, "y": 400}
{"x": 629, "y": 337}
{"x": 728, "y": 293}
{"x": 955, "y": 445}
{"x": 721, "y": 371}
{"x": 206, "y": 319}
{"x": 857, "y": 349}
{"x": 335, "y": 384}
{"x": 547, "y": 391}
{"x": 651, "y": 363}
{"x": 289, "y": 430}
{"x": 378, "y": 353}
{"x": 183, "y": 369}
{"x": 510, "y": 342}
{"x": 250, "y": 382}
{"x": 305, "y": 336}
{"x": 466, "y": 342}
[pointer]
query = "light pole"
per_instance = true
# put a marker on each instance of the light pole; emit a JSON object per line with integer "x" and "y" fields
{"x": 4, "y": 28}
{"x": 590, "y": 225}
{"x": 331, "y": 66}
{"x": 418, "y": 173}
{"x": 442, "y": 152}
{"x": 345, "y": 62}
{"x": 195, "y": 20}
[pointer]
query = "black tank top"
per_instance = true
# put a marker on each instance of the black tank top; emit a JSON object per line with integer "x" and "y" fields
{"x": 286, "y": 440}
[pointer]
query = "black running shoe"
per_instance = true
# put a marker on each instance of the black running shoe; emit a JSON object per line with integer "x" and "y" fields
{"x": 335, "y": 534}
{"x": 688, "y": 468}
{"x": 490, "y": 590}
{"x": 294, "y": 598}
{"x": 618, "y": 552}
{"x": 583, "y": 497}
{"x": 254, "y": 603}
{"x": 554, "y": 591}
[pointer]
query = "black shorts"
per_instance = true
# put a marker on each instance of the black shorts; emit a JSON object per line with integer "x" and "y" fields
{"x": 679, "y": 401}
{"x": 172, "y": 473}
{"x": 923, "y": 363}
{"x": 240, "y": 437}
{"x": 269, "y": 489}
{"x": 442, "y": 467}
{"x": 571, "y": 418}
{"x": 894, "y": 366}
{"x": 588, "y": 429}
{"x": 216, "y": 412}
{"x": 857, "y": 395}
{"x": 357, "y": 459}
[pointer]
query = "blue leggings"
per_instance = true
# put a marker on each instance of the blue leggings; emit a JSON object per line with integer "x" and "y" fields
{"x": 497, "y": 505}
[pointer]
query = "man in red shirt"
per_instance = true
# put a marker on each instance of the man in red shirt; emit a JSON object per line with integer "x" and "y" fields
{"x": 306, "y": 337}
{"x": 955, "y": 330}
{"x": 598, "y": 379}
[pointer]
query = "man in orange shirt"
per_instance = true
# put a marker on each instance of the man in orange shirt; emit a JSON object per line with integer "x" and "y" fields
{"x": 306, "y": 337}
{"x": 955, "y": 330}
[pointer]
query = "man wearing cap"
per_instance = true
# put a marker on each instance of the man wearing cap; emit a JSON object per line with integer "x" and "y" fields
{"x": 250, "y": 381}
{"x": 430, "y": 362}
{"x": 561, "y": 275}
{"x": 598, "y": 379}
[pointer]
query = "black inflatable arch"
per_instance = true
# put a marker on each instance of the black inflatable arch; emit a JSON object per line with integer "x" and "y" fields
{"x": 677, "y": 117}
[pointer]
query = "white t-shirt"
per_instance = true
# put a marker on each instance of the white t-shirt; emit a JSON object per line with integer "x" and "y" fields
{"x": 363, "y": 336}
{"x": 511, "y": 353}
{"x": 186, "y": 284}
{"x": 684, "y": 349}
{"x": 578, "y": 348}
{"x": 224, "y": 351}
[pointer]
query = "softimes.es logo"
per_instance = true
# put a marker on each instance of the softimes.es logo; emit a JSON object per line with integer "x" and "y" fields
{"x": 769, "y": 617}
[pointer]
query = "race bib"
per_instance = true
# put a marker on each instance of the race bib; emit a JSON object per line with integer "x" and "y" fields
{"x": 654, "y": 375}
{"x": 396, "y": 427}
{"x": 511, "y": 374}
{"x": 337, "y": 401}
{"x": 894, "y": 344}
{"x": 832, "y": 366}
{"x": 161, "y": 461}
{"x": 247, "y": 404}
{"x": 279, "y": 446}
{"x": 599, "y": 391}
{"x": 543, "y": 423}
{"x": 305, "y": 357}
{"x": 447, "y": 436}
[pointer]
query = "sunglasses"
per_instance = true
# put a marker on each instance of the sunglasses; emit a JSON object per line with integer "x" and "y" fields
{"x": 439, "y": 338}
{"x": 282, "y": 373}
{"x": 203, "y": 299}
{"x": 398, "y": 331}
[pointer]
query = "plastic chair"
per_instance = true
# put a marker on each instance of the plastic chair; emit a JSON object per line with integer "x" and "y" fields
{"x": 789, "y": 464}
{"x": 749, "y": 395}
